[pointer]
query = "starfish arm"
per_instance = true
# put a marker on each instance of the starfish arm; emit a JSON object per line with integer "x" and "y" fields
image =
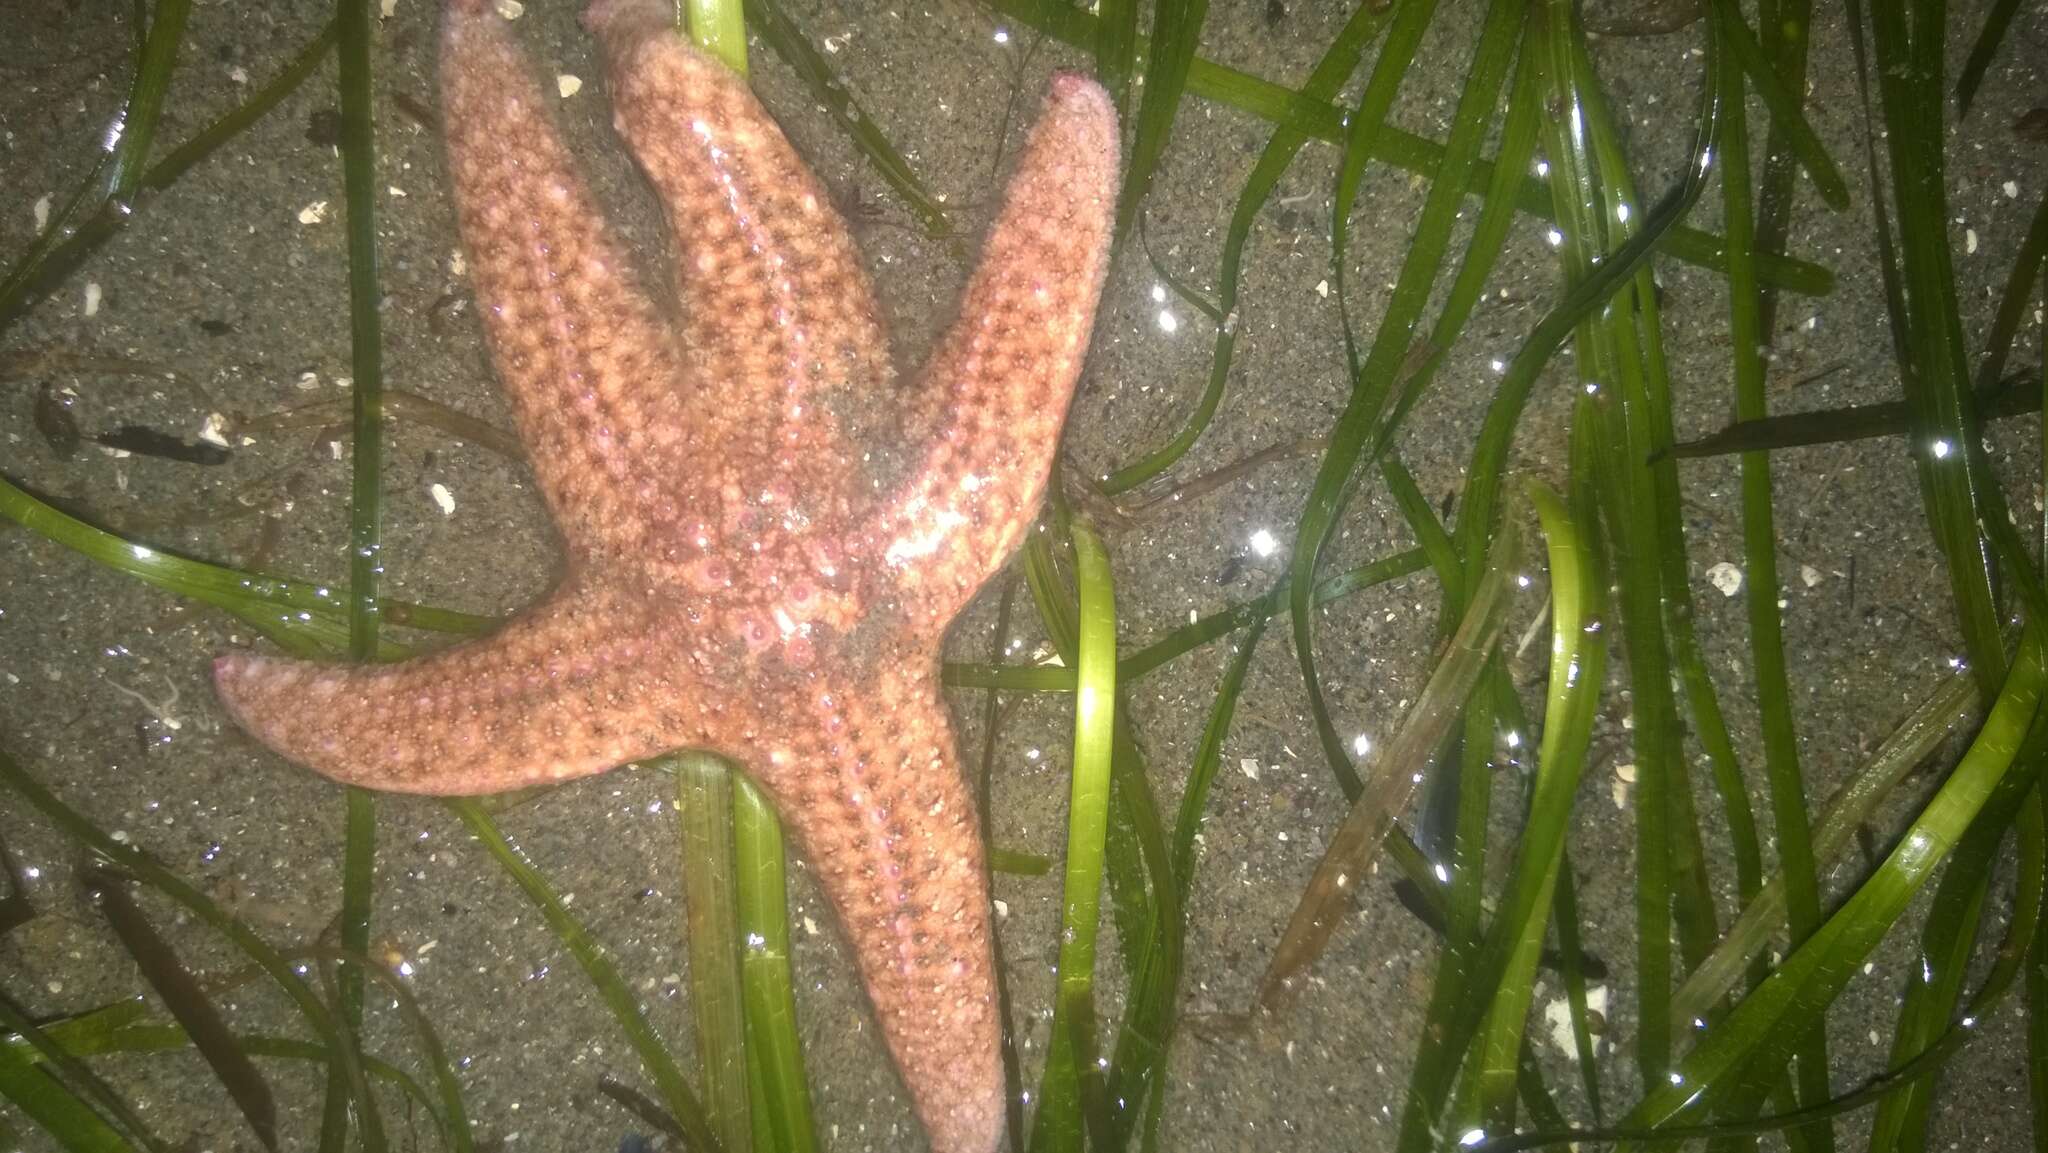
{"x": 590, "y": 368}
{"x": 574, "y": 686}
{"x": 868, "y": 781}
{"x": 773, "y": 289}
{"x": 995, "y": 392}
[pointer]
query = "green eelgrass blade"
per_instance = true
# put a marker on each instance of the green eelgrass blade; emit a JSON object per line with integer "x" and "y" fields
{"x": 704, "y": 812}
{"x": 145, "y": 868}
{"x": 153, "y": 1038}
{"x": 366, "y": 561}
{"x": 2037, "y": 1017}
{"x": 1957, "y": 486}
{"x": 1189, "y": 637}
{"x": 1948, "y": 710}
{"x": 1356, "y": 842}
{"x": 774, "y": 1052}
{"x": 1150, "y": 1023}
{"x": 1374, "y": 378}
{"x": 68, "y": 242}
{"x": 1786, "y": 115}
{"x": 69, "y": 1075}
{"x": 1473, "y": 968}
{"x": 1148, "y": 907}
{"x": 596, "y": 964}
{"x": 1059, "y": 1123}
{"x": 1324, "y": 81}
{"x": 452, "y": 1116}
{"x": 1115, "y": 45}
{"x": 115, "y": 179}
{"x": 1996, "y": 23}
{"x": 991, "y": 724}
{"x": 1581, "y": 300}
{"x": 1947, "y": 940}
{"x": 119, "y": 1028}
{"x": 2008, "y": 396}
{"x": 1577, "y": 674}
{"x": 789, "y": 42}
{"x": 1176, "y": 31}
{"x": 1573, "y": 973}
{"x": 1785, "y": 29}
{"x": 719, "y": 29}
{"x": 1320, "y": 120}
{"x": 189, "y": 1005}
{"x": 1760, "y": 547}
{"x": 301, "y": 616}
{"x": 54, "y": 1109}
{"x": 1619, "y": 361}
{"x": 1744, "y": 1052}
{"x": 2037, "y": 954}
{"x": 2012, "y": 305}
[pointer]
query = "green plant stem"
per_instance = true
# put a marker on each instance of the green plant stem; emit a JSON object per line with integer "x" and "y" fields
{"x": 1760, "y": 559}
{"x": 774, "y": 1050}
{"x": 1072, "y": 1045}
{"x": 597, "y": 965}
{"x": 366, "y": 562}
{"x": 704, "y": 810}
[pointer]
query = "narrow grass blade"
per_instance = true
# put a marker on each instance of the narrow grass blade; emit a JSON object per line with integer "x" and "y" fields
{"x": 1745, "y": 1051}
{"x": 1336, "y": 65}
{"x": 597, "y": 965}
{"x": 115, "y": 179}
{"x": 452, "y": 1116}
{"x": 1794, "y": 836}
{"x": 69, "y": 1072}
{"x": 1935, "y": 985}
{"x": 704, "y": 813}
{"x": 782, "y": 1118}
{"x": 2009, "y": 396}
{"x": 2012, "y": 310}
{"x": 789, "y": 42}
{"x": 1577, "y": 675}
{"x": 366, "y": 561}
{"x": 1176, "y": 32}
{"x": 991, "y": 724}
{"x": 1116, "y": 47}
{"x": 54, "y": 1109}
{"x": 1982, "y": 51}
{"x": 146, "y": 1037}
{"x": 2037, "y": 1025}
{"x": 1150, "y": 1021}
{"x": 189, "y": 1005}
{"x": 142, "y": 866}
{"x": 1372, "y": 379}
{"x": 1786, "y": 115}
{"x": 1059, "y": 1124}
{"x": 1575, "y": 973}
{"x": 1957, "y": 486}
{"x": 1321, "y": 120}
{"x": 1948, "y": 710}
{"x": 68, "y": 242}
{"x": 1392, "y": 783}
{"x": 303, "y": 617}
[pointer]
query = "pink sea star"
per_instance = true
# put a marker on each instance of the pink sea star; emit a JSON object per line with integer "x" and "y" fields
{"x": 740, "y": 577}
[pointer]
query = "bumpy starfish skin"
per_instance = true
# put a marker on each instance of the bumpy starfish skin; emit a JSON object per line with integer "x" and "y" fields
{"x": 741, "y": 576}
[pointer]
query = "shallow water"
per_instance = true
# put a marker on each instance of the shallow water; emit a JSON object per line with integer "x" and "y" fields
{"x": 234, "y": 281}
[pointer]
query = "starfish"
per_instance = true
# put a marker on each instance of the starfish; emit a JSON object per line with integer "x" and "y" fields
{"x": 740, "y": 575}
